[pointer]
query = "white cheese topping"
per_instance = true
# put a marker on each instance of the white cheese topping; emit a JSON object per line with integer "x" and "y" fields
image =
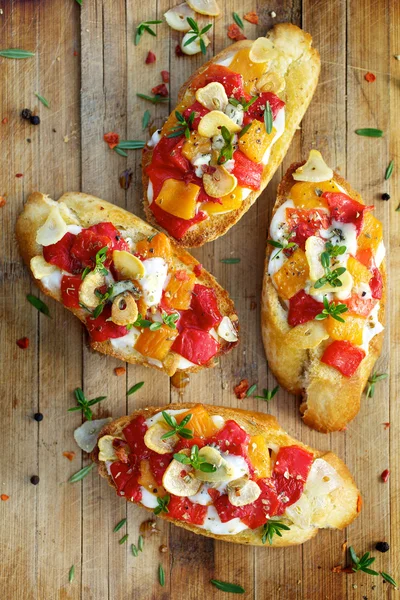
{"x": 155, "y": 138}
{"x": 380, "y": 254}
{"x": 150, "y": 192}
{"x": 126, "y": 342}
{"x": 184, "y": 363}
{"x": 53, "y": 282}
{"x": 153, "y": 280}
{"x": 214, "y": 524}
{"x": 75, "y": 229}
{"x": 148, "y": 499}
{"x": 342, "y": 234}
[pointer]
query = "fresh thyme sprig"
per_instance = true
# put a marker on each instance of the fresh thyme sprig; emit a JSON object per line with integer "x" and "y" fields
{"x": 145, "y": 26}
{"x": 100, "y": 259}
{"x": 332, "y": 310}
{"x": 267, "y": 394}
{"x": 238, "y": 20}
{"x": 331, "y": 277}
{"x": 242, "y": 102}
{"x": 285, "y": 244}
{"x": 177, "y": 428}
{"x": 363, "y": 563}
{"x": 194, "y": 460}
{"x": 197, "y": 33}
{"x": 170, "y": 320}
{"x": 183, "y": 127}
{"x": 370, "y": 389}
{"x": 227, "y": 149}
{"x": 334, "y": 250}
{"x": 162, "y": 505}
{"x": 272, "y": 528}
{"x": 84, "y": 405}
{"x": 156, "y": 99}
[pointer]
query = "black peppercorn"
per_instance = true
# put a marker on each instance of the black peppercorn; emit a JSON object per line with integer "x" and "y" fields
{"x": 35, "y": 479}
{"x": 385, "y": 196}
{"x": 382, "y": 546}
{"x": 26, "y": 114}
{"x": 38, "y": 417}
{"x": 35, "y": 120}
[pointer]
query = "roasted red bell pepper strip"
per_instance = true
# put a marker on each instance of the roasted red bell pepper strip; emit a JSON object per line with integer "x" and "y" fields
{"x": 343, "y": 356}
{"x": 303, "y": 308}
{"x": 305, "y": 222}
{"x": 196, "y": 345}
{"x": 59, "y": 254}
{"x": 290, "y": 473}
{"x": 70, "y": 285}
{"x": 247, "y": 172}
{"x": 346, "y": 210}
{"x": 100, "y": 329}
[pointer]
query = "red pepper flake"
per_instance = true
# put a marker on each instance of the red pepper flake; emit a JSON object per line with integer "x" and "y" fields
{"x": 234, "y": 33}
{"x": 5, "y": 121}
{"x": 119, "y": 371}
{"x": 178, "y": 51}
{"x": 23, "y": 343}
{"x": 160, "y": 90}
{"x": 75, "y": 53}
{"x": 198, "y": 269}
{"x": 386, "y": 425}
{"x": 112, "y": 139}
{"x": 241, "y": 388}
{"x": 4, "y": 497}
{"x": 150, "y": 58}
{"x": 2, "y": 201}
{"x": 19, "y": 175}
{"x": 69, "y": 455}
{"x": 251, "y": 17}
{"x": 165, "y": 76}
{"x": 370, "y": 77}
{"x": 385, "y": 475}
{"x": 359, "y": 503}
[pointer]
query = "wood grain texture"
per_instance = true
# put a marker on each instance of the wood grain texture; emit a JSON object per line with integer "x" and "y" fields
{"x": 88, "y": 68}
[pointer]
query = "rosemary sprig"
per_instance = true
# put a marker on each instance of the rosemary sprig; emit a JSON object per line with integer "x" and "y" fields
{"x": 389, "y": 579}
{"x": 176, "y": 428}
{"x": 145, "y": 26}
{"x": 363, "y": 563}
{"x": 197, "y": 33}
{"x": 183, "y": 127}
{"x": 225, "y": 586}
{"x": 153, "y": 99}
{"x": 370, "y": 389}
{"x": 243, "y": 103}
{"x": 42, "y": 100}
{"x": 389, "y": 170}
{"x": 16, "y": 53}
{"x": 268, "y": 118}
{"x": 38, "y": 304}
{"x": 272, "y": 528}
{"x": 227, "y": 149}
{"x": 285, "y": 244}
{"x": 267, "y": 394}
{"x": 81, "y": 474}
{"x": 131, "y": 144}
{"x": 369, "y": 132}
{"x": 333, "y": 310}
{"x": 135, "y": 388}
{"x": 162, "y": 504}
{"x": 238, "y": 20}
{"x": 194, "y": 460}
{"x": 123, "y": 539}
{"x": 119, "y": 525}
{"x": 83, "y": 404}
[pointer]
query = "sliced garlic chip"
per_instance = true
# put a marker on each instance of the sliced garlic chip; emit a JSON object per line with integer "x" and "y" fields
{"x": 124, "y": 309}
{"x": 212, "y": 96}
{"x": 220, "y": 183}
{"x": 262, "y": 50}
{"x": 227, "y": 331}
{"x": 177, "y": 17}
{"x": 314, "y": 170}
{"x": 179, "y": 480}
{"x": 40, "y": 268}
{"x": 307, "y": 335}
{"x": 89, "y": 285}
{"x": 153, "y": 441}
{"x": 212, "y": 122}
{"x": 315, "y": 246}
{"x": 243, "y": 491}
{"x": 343, "y": 290}
{"x": 86, "y": 435}
{"x": 271, "y": 82}
{"x": 223, "y": 471}
{"x": 194, "y": 47}
{"x": 205, "y": 7}
{"x": 106, "y": 448}
{"x": 128, "y": 265}
{"x": 53, "y": 229}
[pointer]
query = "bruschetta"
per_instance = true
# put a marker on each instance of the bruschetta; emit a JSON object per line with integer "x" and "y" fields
{"x": 231, "y": 128}
{"x": 323, "y": 302}
{"x": 232, "y": 475}
{"x": 143, "y": 299}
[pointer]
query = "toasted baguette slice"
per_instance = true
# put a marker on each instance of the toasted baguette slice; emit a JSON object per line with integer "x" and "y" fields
{"x": 300, "y": 81}
{"x": 330, "y": 399}
{"x": 342, "y": 503}
{"x": 85, "y": 211}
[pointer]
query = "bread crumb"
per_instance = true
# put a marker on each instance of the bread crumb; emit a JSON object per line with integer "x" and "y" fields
{"x": 273, "y": 14}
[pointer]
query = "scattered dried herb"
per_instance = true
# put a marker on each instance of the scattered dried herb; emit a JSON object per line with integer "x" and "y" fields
{"x": 119, "y": 525}
{"x": 161, "y": 575}
{"x": 42, "y": 100}
{"x": 16, "y": 53}
{"x": 389, "y": 170}
{"x": 81, "y": 474}
{"x": 145, "y": 26}
{"x": 145, "y": 119}
{"x": 154, "y": 99}
{"x": 272, "y": 528}
{"x": 375, "y": 377}
{"x": 230, "y": 261}
{"x": 369, "y": 132}
{"x": 197, "y": 34}
{"x": 135, "y": 388}
{"x": 225, "y": 586}
{"x": 38, "y": 304}
{"x": 84, "y": 404}
{"x": 238, "y": 20}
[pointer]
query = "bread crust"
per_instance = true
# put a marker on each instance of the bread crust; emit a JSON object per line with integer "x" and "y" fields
{"x": 88, "y": 210}
{"x": 330, "y": 400}
{"x": 301, "y": 80}
{"x": 254, "y": 423}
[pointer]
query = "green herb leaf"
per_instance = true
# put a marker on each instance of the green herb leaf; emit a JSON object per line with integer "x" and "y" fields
{"x": 155, "y": 326}
{"x": 81, "y": 474}
{"x": 230, "y": 261}
{"x": 334, "y": 310}
{"x": 225, "y": 586}
{"x": 162, "y": 504}
{"x": 226, "y": 152}
{"x": 251, "y": 390}
{"x": 123, "y": 539}
{"x": 171, "y": 319}
{"x": 145, "y": 119}
{"x": 86, "y": 271}
{"x": 238, "y": 20}
{"x": 184, "y": 126}
{"x": 362, "y": 564}
{"x": 142, "y": 27}
{"x": 244, "y": 130}
{"x": 135, "y": 388}
{"x": 389, "y": 579}
{"x": 195, "y": 460}
{"x": 161, "y": 575}
{"x": 268, "y": 395}
{"x": 154, "y": 99}
{"x": 370, "y": 389}
{"x": 131, "y": 144}
{"x": 272, "y": 528}
{"x": 140, "y": 543}
{"x": 16, "y": 53}
{"x": 389, "y": 169}
{"x": 197, "y": 34}
{"x": 268, "y": 118}
{"x": 120, "y": 152}
{"x": 369, "y": 132}
{"x": 71, "y": 574}
{"x": 175, "y": 428}
{"x": 42, "y": 100}
{"x": 134, "y": 550}
{"x": 119, "y": 525}
{"x": 38, "y": 304}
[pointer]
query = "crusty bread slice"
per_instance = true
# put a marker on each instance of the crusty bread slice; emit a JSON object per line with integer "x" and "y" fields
{"x": 86, "y": 210}
{"x": 330, "y": 400}
{"x": 346, "y": 502}
{"x": 301, "y": 80}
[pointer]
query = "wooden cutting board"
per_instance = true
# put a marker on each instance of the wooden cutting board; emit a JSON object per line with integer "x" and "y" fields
{"x": 89, "y": 70}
